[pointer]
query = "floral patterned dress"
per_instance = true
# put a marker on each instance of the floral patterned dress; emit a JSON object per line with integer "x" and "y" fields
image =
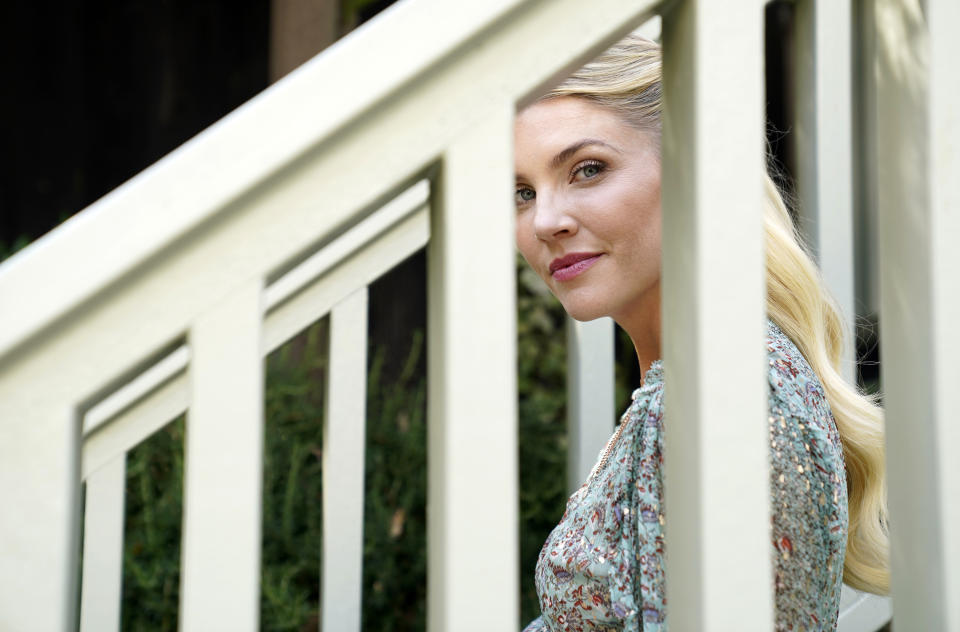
{"x": 601, "y": 569}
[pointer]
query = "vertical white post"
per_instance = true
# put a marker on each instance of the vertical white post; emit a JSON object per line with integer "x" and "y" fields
{"x": 590, "y": 392}
{"x": 716, "y": 461}
{"x": 40, "y": 478}
{"x": 103, "y": 548}
{"x": 472, "y": 454}
{"x": 919, "y": 191}
{"x": 223, "y": 473}
{"x": 823, "y": 89}
{"x": 344, "y": 431}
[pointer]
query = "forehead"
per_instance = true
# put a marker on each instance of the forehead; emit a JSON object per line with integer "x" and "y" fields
{"x": 567, "y": 115}
{"x": 547, "y": 127}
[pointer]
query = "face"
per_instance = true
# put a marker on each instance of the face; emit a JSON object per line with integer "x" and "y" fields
{"x": 588, "y": 208}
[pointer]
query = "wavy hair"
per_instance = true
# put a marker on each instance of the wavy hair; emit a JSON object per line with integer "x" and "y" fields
{"x": 627, "y": 80}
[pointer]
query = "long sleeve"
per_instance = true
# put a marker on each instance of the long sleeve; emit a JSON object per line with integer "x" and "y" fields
{"x": 808, "y": 497}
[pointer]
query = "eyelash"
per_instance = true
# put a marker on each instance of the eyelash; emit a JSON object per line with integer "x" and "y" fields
{"x": 599, "y": 164}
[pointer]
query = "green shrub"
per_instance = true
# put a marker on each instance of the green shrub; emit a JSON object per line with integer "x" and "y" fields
{"x": 151, "y": 547}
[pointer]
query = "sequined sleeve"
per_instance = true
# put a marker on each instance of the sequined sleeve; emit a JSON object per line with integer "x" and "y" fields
{"x": 808, "y": 494}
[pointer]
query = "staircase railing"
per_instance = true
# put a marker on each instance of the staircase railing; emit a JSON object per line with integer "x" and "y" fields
{"x": 165, "y": 296}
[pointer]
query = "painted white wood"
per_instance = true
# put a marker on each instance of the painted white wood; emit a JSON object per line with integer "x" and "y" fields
{"x": 344, "y": 432}
{"x": 165, "y": 369}
{"x": 590, "y": 395}
{"x": 319, "y": 297}
{"x": 406, "y": 203}
{"x": 919, "y": 159}
{"x": 824, "y": 135}
{"x": 716, "y": 452}
{"x": 862, "y": 612}
{"x": 39, "y": 541}
{"x": 103, "y": 548}
{"x": 126, "y": 430}
{"x": 651, "y": 29}
{"x": 944, "y": 126}
{"x": 472, "y": 413}
{"x": 220, "y": 566}
{"x": 944, "y": 23}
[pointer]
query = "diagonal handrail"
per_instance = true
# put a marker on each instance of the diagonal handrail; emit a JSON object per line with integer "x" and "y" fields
{"x": 194, "y": 183}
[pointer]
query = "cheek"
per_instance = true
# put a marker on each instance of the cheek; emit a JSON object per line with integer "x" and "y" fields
{"x": 645, "y": 218}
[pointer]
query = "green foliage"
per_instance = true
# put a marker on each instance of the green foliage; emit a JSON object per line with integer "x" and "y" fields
{"x": 151, "y": 548}
{"x": 395, "y": 499}
{"x": 351, "y": 7}
{"x": 293, "y": 483}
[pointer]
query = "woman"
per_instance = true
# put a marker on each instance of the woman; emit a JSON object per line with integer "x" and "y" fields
{"x": 588, "y": 222}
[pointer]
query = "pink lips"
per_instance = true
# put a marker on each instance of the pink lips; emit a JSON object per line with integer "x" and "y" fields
{"x": 572, "y": 265}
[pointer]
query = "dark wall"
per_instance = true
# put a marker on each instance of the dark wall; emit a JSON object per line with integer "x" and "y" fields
{"x": 778, "y": 69}
{"x": 97, "y": 91}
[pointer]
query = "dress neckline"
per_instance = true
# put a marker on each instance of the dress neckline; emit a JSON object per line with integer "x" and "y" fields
{"x": 652, "y": 377}
{"x": 654, "y": 373}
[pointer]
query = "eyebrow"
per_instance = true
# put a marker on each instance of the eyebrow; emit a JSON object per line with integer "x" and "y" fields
{"x": 567, "y": 153}
{"x": 570, "y": 151}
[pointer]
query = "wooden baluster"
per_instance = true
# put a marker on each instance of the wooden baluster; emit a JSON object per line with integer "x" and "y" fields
{"x": 717, "y": 486}
{"x": 918, "y": 141}
{"x": 223, "y": 471}
{"x": 103, "y": 548}
{"x": 344, "y": 431}
{"x": 590, "y": 407}
{"x": 824, "y": 137}
{"x": 472, "y": 419}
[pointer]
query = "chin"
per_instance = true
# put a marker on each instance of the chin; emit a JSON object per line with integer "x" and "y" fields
{"x": 582, "y": 312}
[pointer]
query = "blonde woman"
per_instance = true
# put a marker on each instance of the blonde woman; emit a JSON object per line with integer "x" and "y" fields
{"x": 588, "y": 222}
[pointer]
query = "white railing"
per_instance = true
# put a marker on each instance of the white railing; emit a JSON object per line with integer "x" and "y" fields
{"x": 918, "y": 159}
{"x": 166, "y": 295}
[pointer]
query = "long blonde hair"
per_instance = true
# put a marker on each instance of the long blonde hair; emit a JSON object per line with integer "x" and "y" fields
{"x": 627, "y": 79}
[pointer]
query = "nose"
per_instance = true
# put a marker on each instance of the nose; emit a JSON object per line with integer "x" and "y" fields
{"x": 553, "y": 219}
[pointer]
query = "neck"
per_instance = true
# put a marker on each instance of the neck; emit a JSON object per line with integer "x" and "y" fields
{"x": 642, "y": 324}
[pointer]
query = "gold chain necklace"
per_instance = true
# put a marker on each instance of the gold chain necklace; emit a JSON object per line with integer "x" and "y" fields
{"x": 612, "y": 442}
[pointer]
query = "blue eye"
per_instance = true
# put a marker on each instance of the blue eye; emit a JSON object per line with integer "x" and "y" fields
{"x": 525, "y": 195}
{"x": 588, "y": 169}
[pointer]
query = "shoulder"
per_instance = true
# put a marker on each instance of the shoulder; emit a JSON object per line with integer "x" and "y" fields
{"x": 795, "y": 390}
{"x": 788, "y": 371}
{"x": 798, "y": 405}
